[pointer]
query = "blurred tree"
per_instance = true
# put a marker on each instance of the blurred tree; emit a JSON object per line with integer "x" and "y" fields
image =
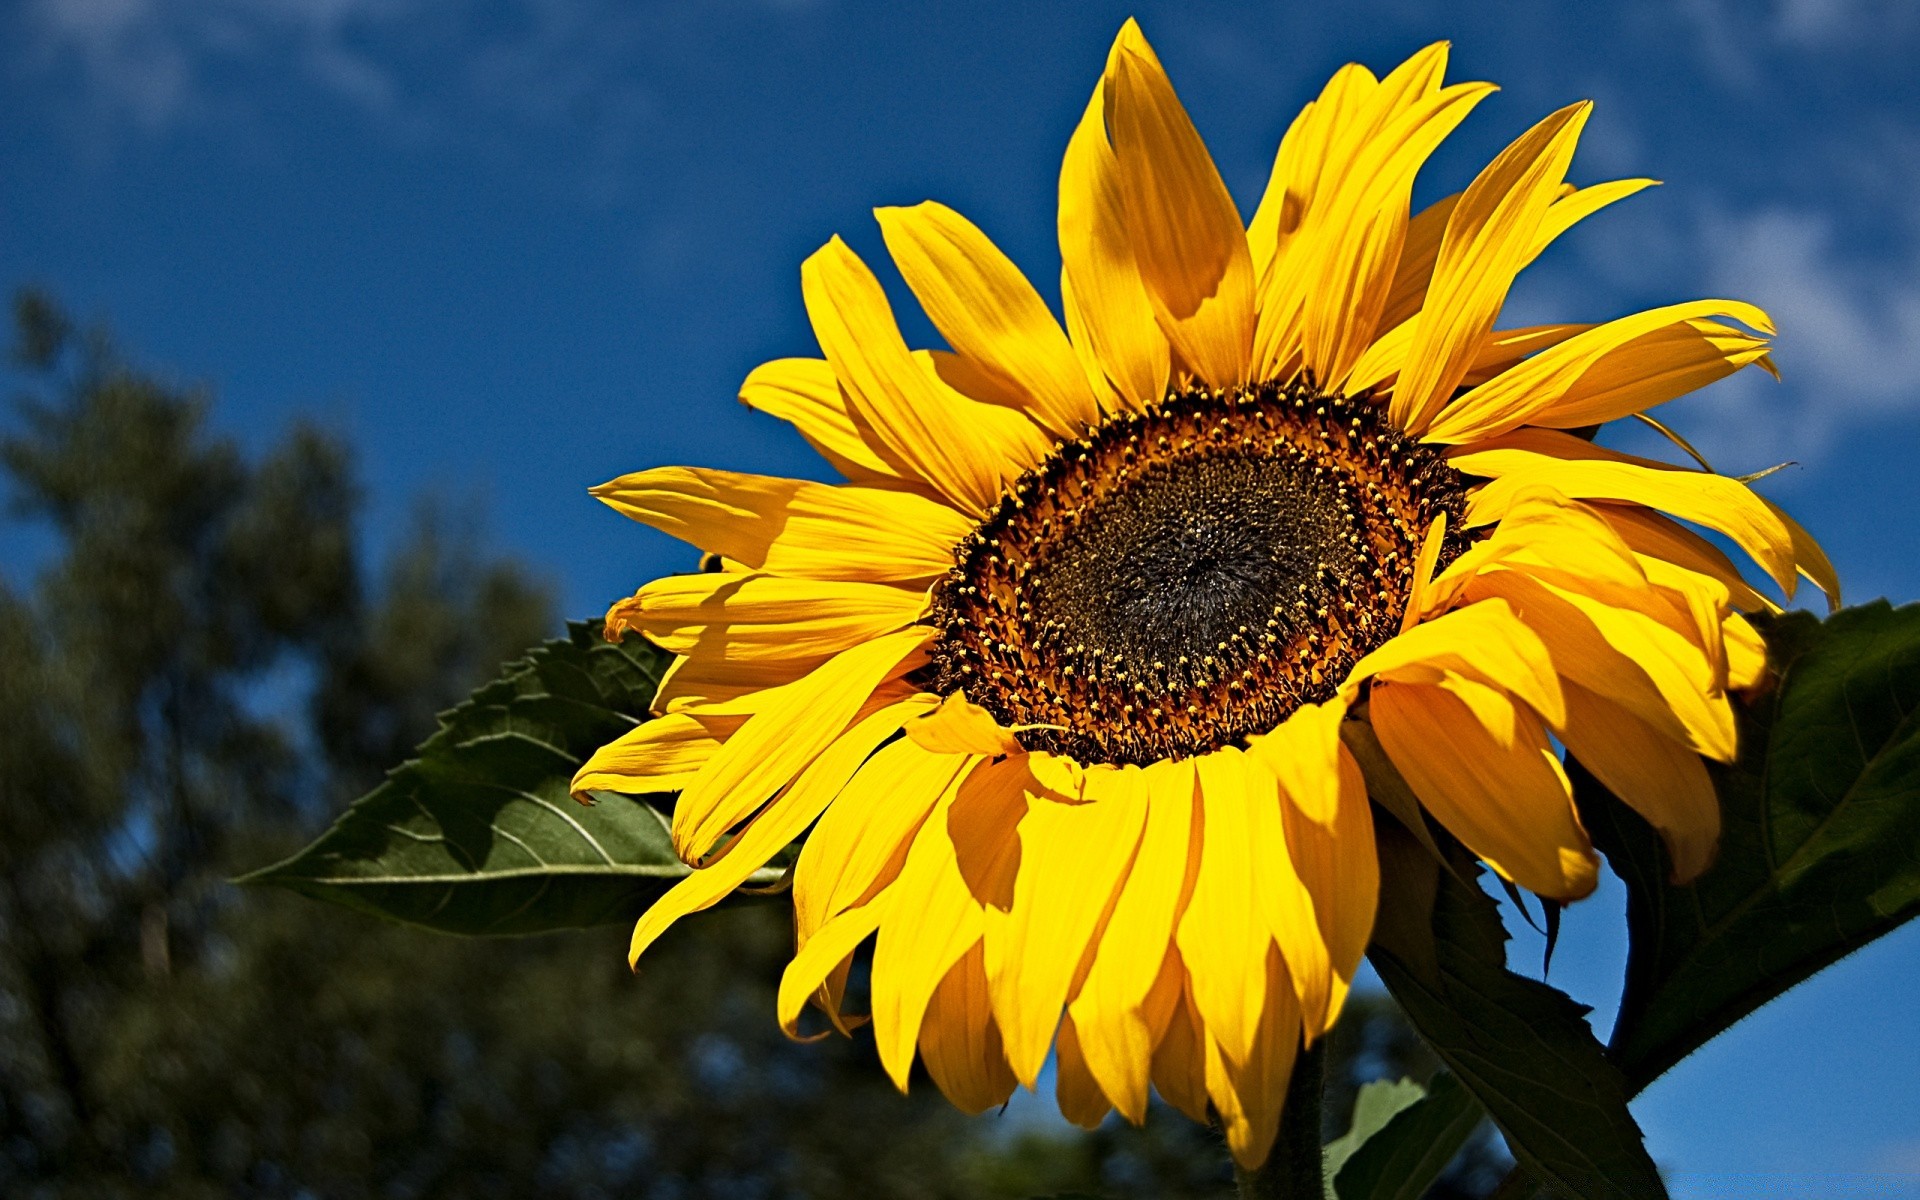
{"x": 202, "y": 675}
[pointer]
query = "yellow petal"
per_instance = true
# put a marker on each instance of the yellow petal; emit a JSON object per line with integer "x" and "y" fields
{"x": 1180, "y": 1056}
{"x": 805, "y": 393}
{"x": 959, "y": 1041}
{"x": 822, "y": 955}
{"x": 660, "y": 755}
{"x": 1485, "y": 642}
{"x": 963, "y": 859}
{"x": 1505, "y": 348}
{"x": 1184, "y": 229}
{"x": 1746, "y": 653}
{"x": 1809, "y": 559}
{"x": 1719, "y": 503}
{"x": 758, "y": 618}
{"x": 861, "y": 841}
{"x": 1657, "y": 777}
{"x": 1248, "y": 1095}
{"x": 989, "y": 313}
{"x": 1281, "y": 897}
{"x": 1303, "y": 755}
{"x": 774, "y": 745}
{"x": 1336, "y": 863}
{"x": 1411, "y": 281}
{"x": 1078, "y": 1094}
{"x": 1106, "y": 303}
{"x": 1611, "y": 370}
{"x": 1626, "y": 655}
{"x": 1114, "y": 1011}
{"x": 960, "y": 726}
{"x": 1483, "y": 765}
{"x": 1222, "y": 937}
{"x": 963, "y": 448}
{"x": 1324, "y": 132}
{"x": 776, "y": 826}
{"x": 1338, "y": 274}
{"x": 1488, "y": 239}
{"x": 795, "y": 528}
{"x": 1654, "y": 536}
{"x": 1072, "y": 860}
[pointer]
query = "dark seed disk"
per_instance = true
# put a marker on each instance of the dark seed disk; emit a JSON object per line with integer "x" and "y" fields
{"x": 1176, "y": 581}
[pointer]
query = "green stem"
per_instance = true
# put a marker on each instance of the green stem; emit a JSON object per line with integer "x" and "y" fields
{"x": 1293, "y": 1170}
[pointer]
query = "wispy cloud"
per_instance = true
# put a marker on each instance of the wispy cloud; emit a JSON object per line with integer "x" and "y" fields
{"x": 1849, "y": 344}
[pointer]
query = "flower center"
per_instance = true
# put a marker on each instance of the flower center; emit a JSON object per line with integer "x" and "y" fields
{"x": 1176, "y": 581}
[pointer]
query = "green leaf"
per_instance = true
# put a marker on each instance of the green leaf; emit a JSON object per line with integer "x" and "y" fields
{"x": 1523, "y": 1049}
{"x": 477, "y": 834}
{"x": 1411, "y": 1146}
{"x": 1820, "y": 852}
{"x": 1374, "y": 1105}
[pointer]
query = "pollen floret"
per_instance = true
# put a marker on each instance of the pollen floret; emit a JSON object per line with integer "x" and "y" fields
{"x": 1177, "y": 580}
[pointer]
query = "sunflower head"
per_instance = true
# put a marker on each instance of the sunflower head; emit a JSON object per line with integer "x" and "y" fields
{"x": 1055, "y": 683}
{"x": 1176, "y": 581}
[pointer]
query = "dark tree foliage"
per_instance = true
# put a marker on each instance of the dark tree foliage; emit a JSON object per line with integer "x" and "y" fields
{"x": 199, "y": 676}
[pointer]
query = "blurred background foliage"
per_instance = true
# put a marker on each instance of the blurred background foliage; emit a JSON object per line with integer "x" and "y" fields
{"x": 202, "y": 674}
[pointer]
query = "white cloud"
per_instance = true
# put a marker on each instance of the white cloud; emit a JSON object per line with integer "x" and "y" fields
{"x": 1849, "y": 331}
{"x": 150, "y": 60}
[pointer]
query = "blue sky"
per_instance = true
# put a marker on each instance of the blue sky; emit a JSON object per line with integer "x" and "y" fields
{"x": 514, "y": 249}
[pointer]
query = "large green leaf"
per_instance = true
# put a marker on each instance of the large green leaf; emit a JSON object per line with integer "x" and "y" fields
{"x": 1403, "y": 1137}
{"x": 1820, "y": 852}
{"x": 477, "y": 834}
{"x": 1523, "y": 1049}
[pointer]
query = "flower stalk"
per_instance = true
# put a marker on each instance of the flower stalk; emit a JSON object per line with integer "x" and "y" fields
{"x": 1294, "y": 1170}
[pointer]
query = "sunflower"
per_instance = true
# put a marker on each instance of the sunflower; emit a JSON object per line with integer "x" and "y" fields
{"x": 1062, "y": 680}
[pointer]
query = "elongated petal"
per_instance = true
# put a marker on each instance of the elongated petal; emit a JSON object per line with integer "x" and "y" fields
{"x": 959, "y": 726}
{"x": 805, "y": 393}
{"x": 1118, "y": 1023}
{"x": 824, "y": 954}
{"x": 774, "y": 745}
{"x": 963, "y": 859}
{"x": 1489, "y": 237}
{"x": 1281, "y": 896}
{"x": 989, "y": 313}
{"x": 1655, "y": 536}
{"x": 775, "y": 828}
{"x": 1336, "y": 863}
{"x": 749, "y": 618}
{"x": 1221, "y": 936}
{"x": 1611, "y": 370}
{"x": 1411, "y": 281}
{"x": 1075, "y": 1089}
{"x": 959, "y": 1041}
{"x": 1338, "y": 275}
{"x": 1248, "y": 1094}
{"x": 1719, "y": 503}
{"x": 1180, "y": 1056}
{"x": 1657, "y": 777}
{"x": 1072, "y": 860}
{"x": 1628, "y": 656}
{"x": 792, "y": 527}
{"x": 1303, "y": 755}
{"x": 661, "y": 755}
{"x": 1503, "y": 349}
{"x": 1482, "y": 764}
{"x": 1184, "y": 229}
{"x": 1100, "y": 285}
{"x": 963, "y": 448}
{"x": 1322, "y": 133}
{"x": 862, "y": 839}
{"x": 1485, "y": 642}
{"x": 1808, "y": 558}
